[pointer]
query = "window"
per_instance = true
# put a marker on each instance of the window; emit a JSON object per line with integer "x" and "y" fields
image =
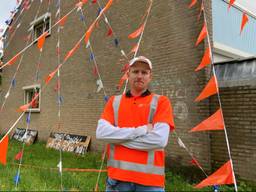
{"x": 40, "y": 25}
{"x": 29, "y": 95}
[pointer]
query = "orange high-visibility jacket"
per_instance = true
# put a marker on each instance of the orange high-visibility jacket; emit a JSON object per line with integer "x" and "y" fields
{"x": 131, "y": 165}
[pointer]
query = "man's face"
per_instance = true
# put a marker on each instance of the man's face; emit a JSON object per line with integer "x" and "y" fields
{"x": 139, "y": 76}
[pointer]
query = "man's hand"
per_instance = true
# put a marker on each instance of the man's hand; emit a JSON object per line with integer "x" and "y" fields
{"x": 149, "y": 128}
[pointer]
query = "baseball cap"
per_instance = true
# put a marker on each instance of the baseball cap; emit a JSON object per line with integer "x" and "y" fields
{"x": 142, "y": 59}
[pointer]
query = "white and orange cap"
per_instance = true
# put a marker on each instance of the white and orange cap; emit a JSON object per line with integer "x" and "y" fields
{"x": 142, "y": 59}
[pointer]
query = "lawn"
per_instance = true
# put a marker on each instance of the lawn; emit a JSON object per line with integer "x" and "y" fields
{"x": 40, "y": 173}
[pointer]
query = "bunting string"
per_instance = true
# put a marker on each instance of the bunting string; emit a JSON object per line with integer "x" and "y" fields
{"x": 20, "y": 16}
{"x": 181, "y": 144}
{"x": 17, "y": 69}
{"x": 28, "y": 119}
{"x": 60, "y": 168}
{"x": 26, "y": 106}
{"x": 56, "y": 169}
{"x": 211, "y": 89}
{"x": 11, "y": 61}
{"x": 219, "y": 100}
{"x": 95, "y": 62}
{"x": 111, "y": 31}
{"x": 141, "y": 35}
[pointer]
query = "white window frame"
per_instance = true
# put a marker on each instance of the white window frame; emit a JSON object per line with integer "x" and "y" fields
{"x": 39, "y": 20}
{"x": 26, "y": 88}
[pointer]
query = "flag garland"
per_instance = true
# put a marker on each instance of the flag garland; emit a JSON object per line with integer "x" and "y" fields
{"x": 225, "y": 175}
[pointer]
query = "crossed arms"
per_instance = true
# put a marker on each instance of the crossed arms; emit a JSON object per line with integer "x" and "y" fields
{"x": 143, "y": 137}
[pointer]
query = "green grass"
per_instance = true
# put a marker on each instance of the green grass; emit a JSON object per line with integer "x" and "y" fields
{"x": 46, "y": 179}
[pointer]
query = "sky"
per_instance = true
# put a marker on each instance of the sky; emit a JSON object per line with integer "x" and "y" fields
{"x": 5, "y": 7}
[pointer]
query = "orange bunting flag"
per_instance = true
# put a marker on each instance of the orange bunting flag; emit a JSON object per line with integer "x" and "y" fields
{"x": 34, "y": 101}
{"x": 12, "y": 60}
{"x": 62, "y": 21}
{"x": 137, "y": 32}
{"x": 106, "y": 7}
{"x": 220, "y": 177}
{"x": 202, "y": 35}
{"x": 24, "y": 108}
{"x": 41, "y": 40}
{"x": 134, "y": 49}
{"x": 193, "y": 2}
{"x": 71, "y": 52}
{"x": 125, "y": 67}
{"x": 231, "y": 2}
{"x": 123, "y": 78}
{"x": 51, "y": 75}
{"x": 214, "y": 122}
{"x": 80, "y": 4}
{"x": 245, "y": 20}
{"x": 210, "y": 89}
{"x": 89, "y": 32}
{"x": 3, "y": 150}
{"x": 206, "y": 60}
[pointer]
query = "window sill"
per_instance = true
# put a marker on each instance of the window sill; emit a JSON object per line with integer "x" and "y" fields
{"x": 33, "y": 110}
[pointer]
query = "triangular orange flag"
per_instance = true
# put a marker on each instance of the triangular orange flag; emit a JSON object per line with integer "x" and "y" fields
{"x": 51, "y": 75}
{"x": 71, "y": 52}
{"x": 62, "y": 21}
{"x": 12, "y": 60}
{"x": 193, "y": 2}
{"x": 41, "y": 40}
{"x": 206, "y": 60}
{"x": 80, "y": 4}
{"x": 210, "y": 89}
{"x": 231, "y": 2}
{"x": 137, "y": 32}
{"x": 24, "y": 108}
{"x": 220, "y": 177}
{"x": 202, "y": 35}
{"x": 107, "y": 6}
{"x": 34, "y": 100}
{"x": 3, "y": 150}
{"x": 245, "y": 19}
{"x": 123, "y": 78}
{"x": 90, "y": 29}
{"x": 214, "y": 122}
{"x": 89, "y": 32}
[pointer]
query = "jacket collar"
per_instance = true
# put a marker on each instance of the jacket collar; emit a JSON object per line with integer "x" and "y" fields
{"x": 144, "y": 94}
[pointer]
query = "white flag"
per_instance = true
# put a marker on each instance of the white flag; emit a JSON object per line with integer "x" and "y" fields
{"x": 181, "y": 144}
{"x": 7, "y": 95}
{"x": 100, "y": 85}
{"x": 60, "y": 166}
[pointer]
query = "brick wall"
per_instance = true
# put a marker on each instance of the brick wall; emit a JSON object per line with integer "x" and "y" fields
{"x": 238, "y": 104}
{"x": 168, "y": 41}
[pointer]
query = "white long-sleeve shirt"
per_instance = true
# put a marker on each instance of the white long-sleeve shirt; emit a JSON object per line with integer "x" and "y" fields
{"x": 134, "y": 138}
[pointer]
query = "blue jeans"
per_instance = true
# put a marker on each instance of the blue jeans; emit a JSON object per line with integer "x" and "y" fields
{"x": 113, "y": 185}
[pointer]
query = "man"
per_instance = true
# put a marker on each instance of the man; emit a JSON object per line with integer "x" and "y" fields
{"x": 136, "y": 125}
